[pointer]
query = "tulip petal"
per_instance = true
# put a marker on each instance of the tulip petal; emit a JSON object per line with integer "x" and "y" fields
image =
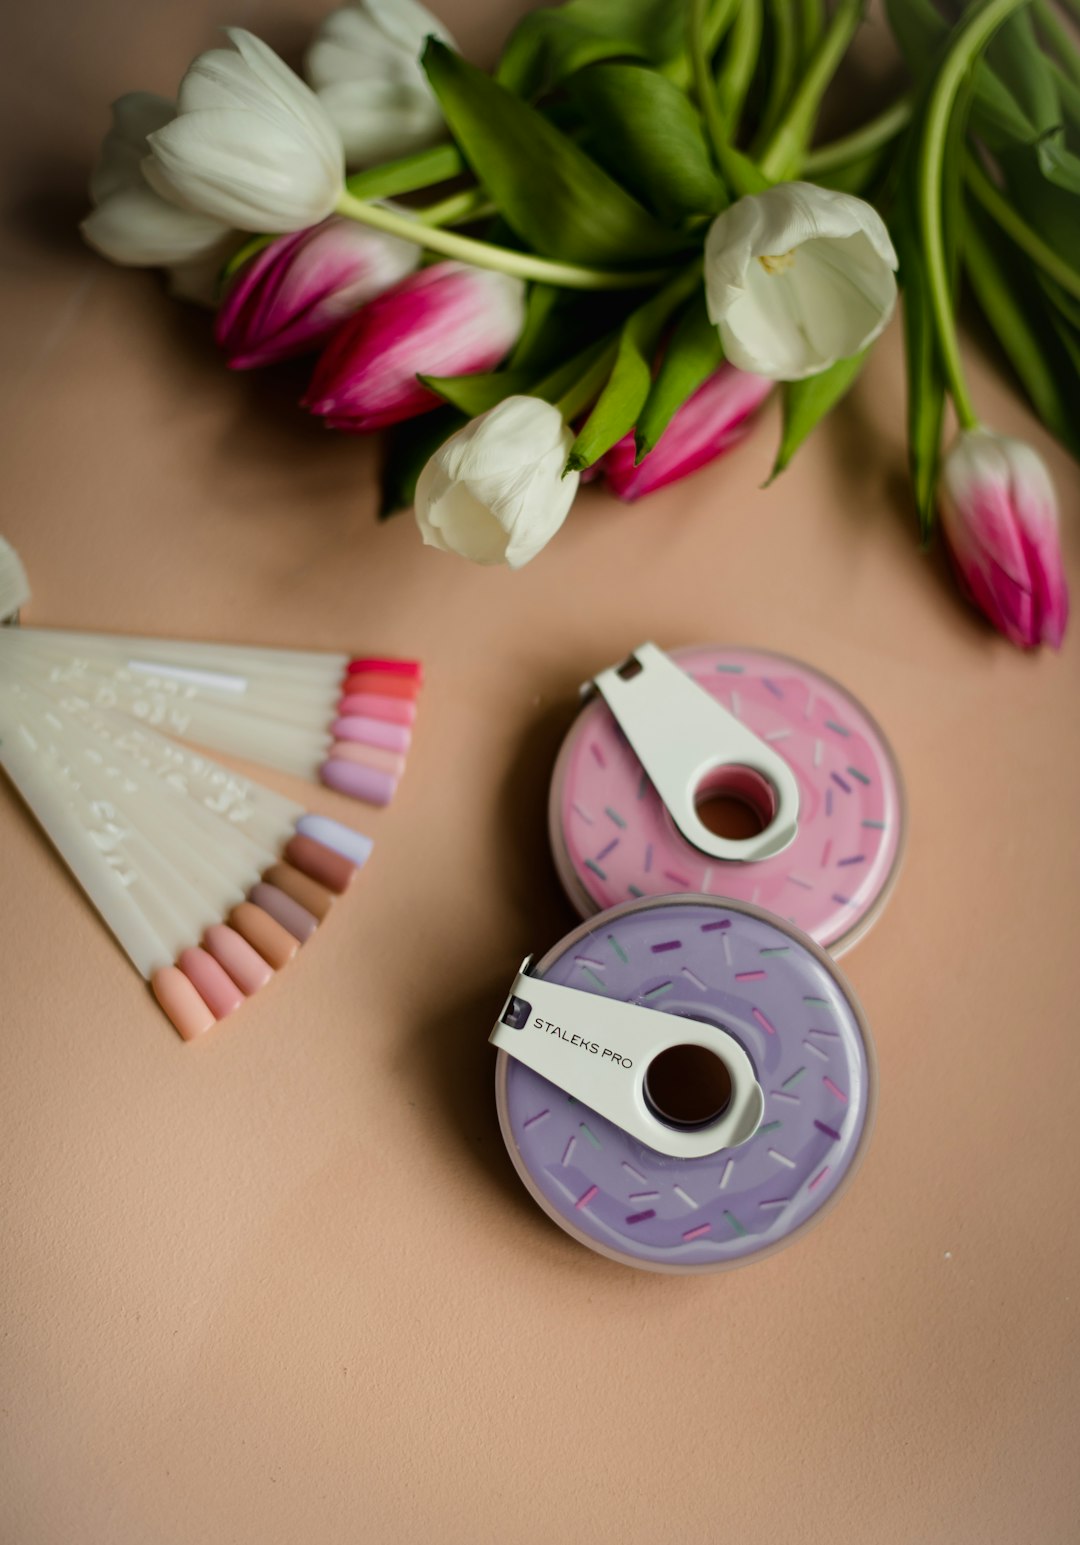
{"x": 137, "y": 228}
{"x": 798, "y": 277}
{"x": 1000, "y": 521}
{"x": 134, "y": 116}
{"x": 494, "y": 492}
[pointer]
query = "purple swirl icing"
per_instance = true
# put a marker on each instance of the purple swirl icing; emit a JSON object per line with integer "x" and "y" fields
{"x": 786, "y": 1003}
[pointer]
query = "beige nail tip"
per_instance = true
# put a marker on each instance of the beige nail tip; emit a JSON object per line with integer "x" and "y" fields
{"x": 181, "y": 1002}
{"x": 275, "y": 944}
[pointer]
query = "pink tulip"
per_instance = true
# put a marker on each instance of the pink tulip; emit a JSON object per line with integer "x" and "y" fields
{"x": 450, "y": 319}
{"x": 1000, "y": 518}
{"x": 290, "y": 297}
{"x": 709, "y": 423}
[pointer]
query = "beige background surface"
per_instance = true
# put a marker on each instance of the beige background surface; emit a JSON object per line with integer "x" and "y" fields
{"x": 283, "y": 1285}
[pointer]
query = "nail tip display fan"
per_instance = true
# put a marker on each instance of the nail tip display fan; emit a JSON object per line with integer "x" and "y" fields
{"x": 210, "y": 881}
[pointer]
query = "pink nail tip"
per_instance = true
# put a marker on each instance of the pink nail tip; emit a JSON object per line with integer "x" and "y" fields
{"x": 213, "y": 984}
{"x": 359, "y": 781}
{"x": 372, "y": 732}
{"x": 369, "y": 705}
{"x": 235, "y": 956}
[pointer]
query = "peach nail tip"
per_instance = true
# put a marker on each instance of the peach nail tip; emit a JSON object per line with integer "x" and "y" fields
{"x": 294, "y": 918}
{"x": 359, "y": 781}
{"x": 185, "y": 1009}
{"x": 213, "y": 984}
{"x": 275, "y": 944}
{"x": 235, "y": 955}
{"x": 320, "y": 862}
{"x": 370, "y": 756}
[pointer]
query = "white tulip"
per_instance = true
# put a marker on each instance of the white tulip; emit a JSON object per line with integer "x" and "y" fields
{"x": 798, "y": 277}
{"x": 130, "y": 223}
{"x": 365, "y": 66}
{"x": 251, "y": 145}
{"x": 494, "y": 492}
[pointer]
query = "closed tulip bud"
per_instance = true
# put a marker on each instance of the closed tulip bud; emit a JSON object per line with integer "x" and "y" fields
{"x": 495, "y": 491}
{"x": 798, "y": 277}
{"x": 1000, "y": 519}
{"x": 365, "y": 67}
{"x": 709, "y": 423}
{"x": 250, "y": 145}
{"x": 130, "y": 223}
{"x": 447, "y": 320}
{"x": 290, "y": 297}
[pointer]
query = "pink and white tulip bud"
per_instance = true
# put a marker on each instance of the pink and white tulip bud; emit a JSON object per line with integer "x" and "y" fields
{"x": 450, "y": 319}
{"x": 1000, "y": 519}
{"x": 292, "y": 295}
{"x": 709, "y": 423}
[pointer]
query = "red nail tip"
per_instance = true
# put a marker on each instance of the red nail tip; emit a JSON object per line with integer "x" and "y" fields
{"x": 411, "y": 668}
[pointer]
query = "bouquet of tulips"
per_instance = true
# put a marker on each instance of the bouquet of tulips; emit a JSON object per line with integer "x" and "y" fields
{"x": 602, "y": 257}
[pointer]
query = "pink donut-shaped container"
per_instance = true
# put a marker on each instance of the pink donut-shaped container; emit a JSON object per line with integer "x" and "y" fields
{"x": 613, "y": 840}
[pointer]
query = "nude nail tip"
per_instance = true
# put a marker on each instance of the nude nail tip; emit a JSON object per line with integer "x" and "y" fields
{"x": 189, "y": 1015}
{"x": 275, "y": 944}
{"x": 320, "y": 862}
{"x": 296, "y": 919}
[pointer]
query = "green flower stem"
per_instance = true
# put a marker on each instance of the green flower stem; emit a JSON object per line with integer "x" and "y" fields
{"x": 728, "y": 162}
{"x": 589, "y": 384}
{"x": 408, "y": 174}
{"x": 458, "y": 209}
{"x": 1060, "y": 38}
{"x": 484, "y": 254}
{"x": 863, "y": 141}
{"x": 783, "y": 67}
{"x": 785, "y": 147}
{"x": 811, "y": 22}
{"x": 1003, "y": 214}
{"x": 970, "y": 38}
{"x": 238, "y": 259}
{"x": 737, "y": 70}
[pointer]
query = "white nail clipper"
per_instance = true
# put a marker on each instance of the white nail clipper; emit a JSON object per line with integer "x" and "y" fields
{"x": 599, "y": 1049}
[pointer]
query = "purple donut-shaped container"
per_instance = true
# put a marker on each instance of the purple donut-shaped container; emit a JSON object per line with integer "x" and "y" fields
{"x": 734, "y": 966}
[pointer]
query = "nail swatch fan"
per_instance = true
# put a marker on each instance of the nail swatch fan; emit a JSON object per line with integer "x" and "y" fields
{"x": 210, "y": 882}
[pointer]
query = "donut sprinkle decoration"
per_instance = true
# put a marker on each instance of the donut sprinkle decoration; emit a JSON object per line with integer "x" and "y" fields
{"x": 756, "y": 982}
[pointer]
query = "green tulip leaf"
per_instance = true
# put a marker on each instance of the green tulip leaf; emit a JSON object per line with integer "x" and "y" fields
{"x": 1058, "y": 164}
{"x": 627, "y": 389}
{"x": 1025, "y": 71}
{"x": 807, "y": 402}
{"x": 473, "y": 394}
{"x": 643, "y": 128}
{"x": 691, "y": 357}
{"x": 549, "y": 45}
{"x": 1030, "y": 344}
{"x": 547, "y": 189}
